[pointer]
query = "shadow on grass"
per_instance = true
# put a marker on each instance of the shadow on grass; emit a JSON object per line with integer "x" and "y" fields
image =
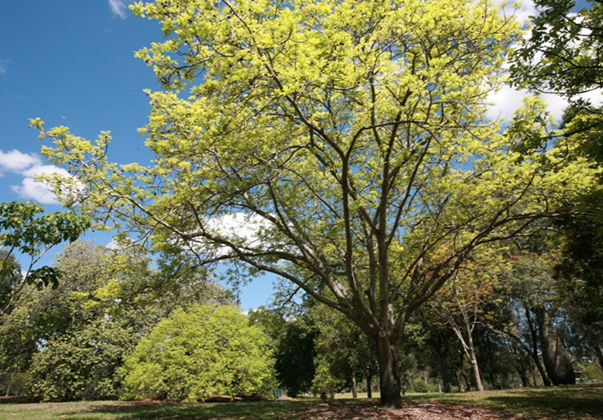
{"x": 560, "y": 403}
{"x": 182, "y": 411}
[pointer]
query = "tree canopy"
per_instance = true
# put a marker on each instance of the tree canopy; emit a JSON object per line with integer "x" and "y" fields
{"x": 350, "y": 136}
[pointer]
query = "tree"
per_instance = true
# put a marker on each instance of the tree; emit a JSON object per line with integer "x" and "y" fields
{"x": 534, "y": 286}
{"x": 200, "y": 353}
{"x": 10, "y": 276}
{"x": 462, "y": 304}
{"x": 563, "y": 53}
{"x": 83, "y": 362}
{"x": 16, "y": 344}
{"x": 350, "y": 139}
{"x": 24, "y": 232}
{"x": 344, "y": 353}
{"x": 293, "y": 345}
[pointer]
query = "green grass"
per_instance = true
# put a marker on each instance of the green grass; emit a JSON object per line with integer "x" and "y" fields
{"x": 562, "y": 403}
{"x": 119, "y": 410}
{"x": 557, "y": 403}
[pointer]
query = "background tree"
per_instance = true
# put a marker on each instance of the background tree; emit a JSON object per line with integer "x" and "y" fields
{"x": 83, "y": 362}
{"x": 462, "y": 303}
{"x": 203, "y": 352}
{"x": 563, "y": 53}
{"x": 24, "y": 231}
{"x": 349, "y": 136}
{"x": 293, "y": 336}
{"x": 345, "y": 356}
{"x": 535, "y": 288}
{"x": 72, "y": 339}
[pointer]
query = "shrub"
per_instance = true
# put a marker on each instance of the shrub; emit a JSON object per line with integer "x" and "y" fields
{"x": 419, "y": 385}
{"x": 200, "y": 353}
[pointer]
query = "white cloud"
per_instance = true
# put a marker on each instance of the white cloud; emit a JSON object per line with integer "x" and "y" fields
{"x": 3, "y": 67}
{"x": 36, "y": 190}
{"x": 508, "y": 99}
{"x": 16, "y": 161}
{"x": 119, "y": 8}
{"x": 240, "y": 227}
{"x": 29, "y": 166}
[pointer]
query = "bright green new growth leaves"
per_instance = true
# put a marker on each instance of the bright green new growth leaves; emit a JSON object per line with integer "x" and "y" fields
{"x": 349, "y": 136}
{"x": 203, "y": 352}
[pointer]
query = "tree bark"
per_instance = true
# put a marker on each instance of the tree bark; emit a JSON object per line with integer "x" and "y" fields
{"x": 556, "y": 359}
{"x": 389, "y": 378}
{"x": 369, "y": 391}
{"x": 469, "y": 348}
{"x": 534, "y": 350}
{"x": 599, "y": 355}
{"x": 444, "y": 372}
{"x": 354, "y": 387}
{"x": 10, "y": 382}
{"x": 473, "y": 359}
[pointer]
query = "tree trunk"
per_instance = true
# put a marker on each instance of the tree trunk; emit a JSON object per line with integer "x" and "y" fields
{"x": 524, "y": 378}
{"x": 474, "y": 364}
{"x": 556, "y": 359}
{"x": 469, "y": 349}
{"x": 599, "y": 355}
{"x": 10, "y": 382}
{"x": 389, "y": 379}
{"x": 354, "y": 387}
{"x": 442, "y": 349}
{"x": 459, "y": 382}
{"x": 534, "y": 350}
{"x": 445, "y": 373}
{"x": 369, "y": 391}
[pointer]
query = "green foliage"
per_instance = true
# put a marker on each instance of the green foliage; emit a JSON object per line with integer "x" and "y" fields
{"x": 10, "y": 276}
{"x": 200, "y": 353}
{"x": 343, "y": 351}
{"x": 567, "y": 45}
{"x": 24, "y": 231}
{"x": 74, "y": 337}
{"x": 82, "y": 363}
{"x": 293, "y": 343}
{"x": 325, "y": 383}
{"x": 419, "y": 385}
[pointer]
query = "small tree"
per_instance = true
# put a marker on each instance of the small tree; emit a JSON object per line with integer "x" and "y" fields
{"x": 204, "y": 351}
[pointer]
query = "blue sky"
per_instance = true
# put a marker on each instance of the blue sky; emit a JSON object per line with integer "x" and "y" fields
{"x": 71, "y": 62}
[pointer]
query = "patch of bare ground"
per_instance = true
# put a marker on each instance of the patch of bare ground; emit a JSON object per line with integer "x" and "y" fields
{"x": 410, "y": 411}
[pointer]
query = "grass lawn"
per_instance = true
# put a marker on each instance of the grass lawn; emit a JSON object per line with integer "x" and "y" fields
{"x": 557, "y": 403}
{"x": 563, "y": 403}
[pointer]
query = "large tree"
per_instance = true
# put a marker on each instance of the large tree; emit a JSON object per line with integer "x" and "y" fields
{"x": 348, "y": 137}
